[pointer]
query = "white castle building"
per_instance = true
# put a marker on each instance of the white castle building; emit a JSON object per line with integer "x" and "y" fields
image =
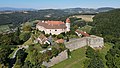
{"x": 53, "y": 27}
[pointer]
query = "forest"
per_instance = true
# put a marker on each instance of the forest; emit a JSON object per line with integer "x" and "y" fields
{"x": 107, "y": 25}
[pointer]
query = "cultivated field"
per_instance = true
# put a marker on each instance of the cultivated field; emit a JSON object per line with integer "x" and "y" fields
{"x": 4, "y": 28}
{"x": 85, "y": 17}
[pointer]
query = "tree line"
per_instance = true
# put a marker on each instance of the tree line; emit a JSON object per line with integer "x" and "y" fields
{"x": 107, "y": 25}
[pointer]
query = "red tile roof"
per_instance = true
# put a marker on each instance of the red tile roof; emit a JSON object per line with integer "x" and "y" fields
{"x": 55, "y": 22}
{"x": 60, "y": 41}
{"x": 83, "y": 33}
{"x": 52, "y": 24}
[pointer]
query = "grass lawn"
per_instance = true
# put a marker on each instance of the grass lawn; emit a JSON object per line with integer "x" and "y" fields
{"x": 86, "y": 28}
{"x": 78, "y": 57}
{"x": 76, "y": 60}
{"x": 28, "y": 42}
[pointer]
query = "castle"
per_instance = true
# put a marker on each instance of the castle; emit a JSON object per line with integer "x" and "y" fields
{"x": 57, "y": 27}
{"x": 53, "y": 27}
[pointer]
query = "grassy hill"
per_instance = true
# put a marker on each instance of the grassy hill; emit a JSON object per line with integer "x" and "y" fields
{"x": 78, "y": 57}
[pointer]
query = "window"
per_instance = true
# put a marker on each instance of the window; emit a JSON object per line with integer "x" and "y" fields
{"x": 55, "y": 30}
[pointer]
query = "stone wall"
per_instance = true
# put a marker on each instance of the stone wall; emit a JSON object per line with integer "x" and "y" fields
{"x": 95, "y": 41}
{"x": 61, "y": 56}
{"x": 92, "y": 41}
{"x": 77, "y": 43}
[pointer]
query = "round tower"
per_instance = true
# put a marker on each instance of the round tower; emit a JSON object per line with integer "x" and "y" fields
{"x": 68, "y": 24}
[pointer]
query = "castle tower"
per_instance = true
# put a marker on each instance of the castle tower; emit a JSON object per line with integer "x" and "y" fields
{"x": 68, "y": 24}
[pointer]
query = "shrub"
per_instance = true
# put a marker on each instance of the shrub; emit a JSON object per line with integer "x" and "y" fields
{"x": 60, "y": 36}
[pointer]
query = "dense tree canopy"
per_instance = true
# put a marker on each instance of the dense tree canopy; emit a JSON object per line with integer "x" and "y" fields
{"x": 21, "y": 56}
{"x": 24, "y": 36}
{"x": 90, "y": 52}
{"x": 94, "y": 61}
{"x": 4, "y": 53}
{"x": 107, "y": 25}
{"x": 113, "y": 56}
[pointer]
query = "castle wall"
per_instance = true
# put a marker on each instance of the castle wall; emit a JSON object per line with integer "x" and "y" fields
{"x": 62, "y": 56}
{"x": 77, "y": 43}
{"x": 92, "y": 41}
{"x": 95, "y": 41}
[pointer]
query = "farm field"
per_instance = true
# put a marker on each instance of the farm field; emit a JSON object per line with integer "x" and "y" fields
{"x": 4, "y": 28}
{"x": 88, "y": 18}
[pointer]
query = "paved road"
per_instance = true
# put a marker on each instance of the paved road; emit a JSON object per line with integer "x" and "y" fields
{"x": 16, "y": 52}
{"x": 20, "y": 47}
{"x": 14, "y": 55}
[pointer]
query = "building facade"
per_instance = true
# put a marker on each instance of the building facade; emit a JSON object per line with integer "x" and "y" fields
{"x": 53, "y": 27}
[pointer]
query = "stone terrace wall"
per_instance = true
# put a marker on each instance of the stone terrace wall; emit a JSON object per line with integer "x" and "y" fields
{"x": 77, "y": 43}
{"x": 62, "y": 56}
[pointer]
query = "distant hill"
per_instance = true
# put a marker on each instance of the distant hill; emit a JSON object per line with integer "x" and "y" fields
{"x": 80, "y": 10}
{"x": 88, "y": 10}
{"x": 105, "y": 9}
{"x": 8, "y": 16}
{"x": 16, "y": 9}
{"x": 69, "y": 10}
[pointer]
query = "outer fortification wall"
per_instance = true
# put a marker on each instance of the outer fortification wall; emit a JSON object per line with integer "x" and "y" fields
{"x": 92, "y": 41}
{"x": 62, "y": 56}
